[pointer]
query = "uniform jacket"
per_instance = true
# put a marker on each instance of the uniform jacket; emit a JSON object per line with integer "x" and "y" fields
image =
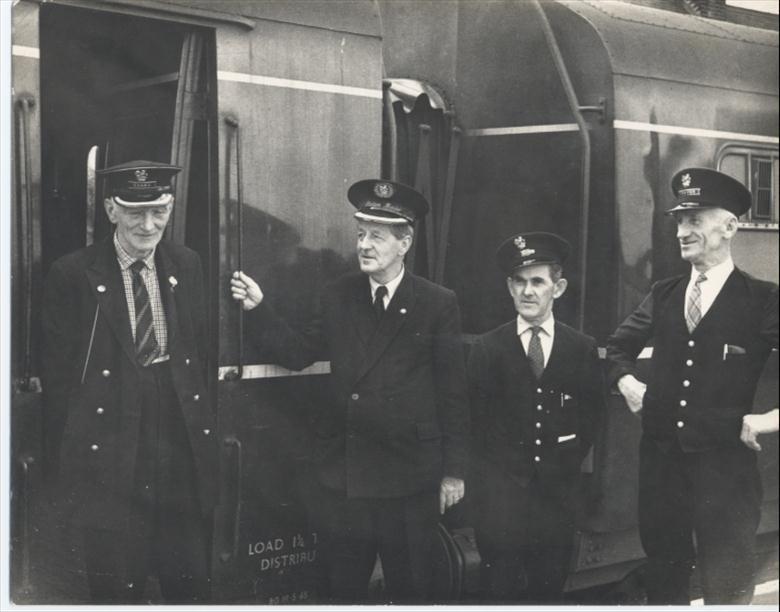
{"x": 92, "y": 407}
{"x": 522, "y": 426}
{"x": 396, "y": 421}
{"x": 700, "y": 384}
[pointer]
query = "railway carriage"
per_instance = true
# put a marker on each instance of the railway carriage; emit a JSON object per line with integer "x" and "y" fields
{"x": 558, "y": 116}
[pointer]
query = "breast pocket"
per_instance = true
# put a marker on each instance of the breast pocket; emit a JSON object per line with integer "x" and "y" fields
{"x": 567, "y": 416}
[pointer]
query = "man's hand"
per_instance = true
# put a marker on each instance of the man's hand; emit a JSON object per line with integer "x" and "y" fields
{"x": 245, "y": 290}
{"x": 451, "y": 492}
{"x": 633, "y": 391}
{"x": 755, "y": 424}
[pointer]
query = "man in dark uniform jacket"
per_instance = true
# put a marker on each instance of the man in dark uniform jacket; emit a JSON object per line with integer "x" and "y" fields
{"x": 537, "y": 394}
{"x": 391, "y": 443}
{"x": 711, "y": 331}
{"x": 130, "y": 436}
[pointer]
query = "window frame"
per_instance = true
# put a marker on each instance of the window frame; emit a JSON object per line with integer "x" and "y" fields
{"x": 751, "y": 152}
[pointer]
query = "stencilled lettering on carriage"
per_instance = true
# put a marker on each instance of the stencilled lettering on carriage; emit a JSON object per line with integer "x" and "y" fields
{"x": 283, "y": 552}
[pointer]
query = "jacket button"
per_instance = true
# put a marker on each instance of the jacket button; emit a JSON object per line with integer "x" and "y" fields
{"x": 538, "y": 426}
{"x": 206, "y": 431}
{"x": 538, "y": 442}
{"x": 106, "y": 373}
{"x": 100, "y": 410}
{"x": 680, "y": 424}
{"x": 539, "y": 407}
{"x": 196, "y": 397}
{"x": 539, "y": 390}
{"x": 683, "y": 403}
{"x": 537, "y": 459}
{"x": 686, "y": 383}
{"x": 691, "y": 343}
{"x": 355, "y": 396}
{"x": 187, "y": 361}
{"x": 689, "y": 362}
{"x": 94, "y": 447}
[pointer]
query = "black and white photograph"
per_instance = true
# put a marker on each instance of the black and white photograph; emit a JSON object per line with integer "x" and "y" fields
{"x": 327, "y": 303}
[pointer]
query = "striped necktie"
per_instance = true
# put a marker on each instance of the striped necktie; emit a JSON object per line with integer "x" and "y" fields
{"x": 146, "y": 347}
{"x": 693, "y": 312}
{"x": 535, "y": 353}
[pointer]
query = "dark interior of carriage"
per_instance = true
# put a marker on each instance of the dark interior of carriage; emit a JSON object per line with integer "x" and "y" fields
{"x": 114, "y": 93}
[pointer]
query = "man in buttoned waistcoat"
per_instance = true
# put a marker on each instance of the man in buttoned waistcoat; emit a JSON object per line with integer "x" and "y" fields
{"x": 129, "y": 433}
{"x": 711, "y": 331}
{"x": 537, "y": 395}
{"x": 390, "y": 449}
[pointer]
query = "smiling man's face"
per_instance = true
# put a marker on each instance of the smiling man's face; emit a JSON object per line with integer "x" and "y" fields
{"x": 704, "y": 235}
{"x": 138, "y": 229}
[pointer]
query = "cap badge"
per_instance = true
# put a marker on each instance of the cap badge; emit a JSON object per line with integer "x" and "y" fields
{"x": 686, "y": 180}
{"x": 520, "y": 242}
{"x": 384, "y": 190}
{"x": 527, "y": 252}
{"x": 141, "y": 175}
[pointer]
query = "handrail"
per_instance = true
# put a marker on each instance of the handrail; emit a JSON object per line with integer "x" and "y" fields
{"x": 229, "y": 441}
{"x": 422, "y": 183}
{"x": 233, "y": 123}
{"x": 446, "y": 212}
{"x": 24, "y": 105}
{"x": 576, "y": 110}
{"x": 25, "y": 462}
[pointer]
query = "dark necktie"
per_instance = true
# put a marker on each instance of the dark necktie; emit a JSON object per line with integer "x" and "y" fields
{"x": 693, "y": 316}
{"x": 379, "y": 302}
{"x": 146, "y": 347}
{"x": 535, "y": 353}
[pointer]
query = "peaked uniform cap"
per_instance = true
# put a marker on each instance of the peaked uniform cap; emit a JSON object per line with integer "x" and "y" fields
{"x": 531, "y": 249}
{"x": 698, "y": 188}
{"x": 383, "y": 201}
{"x": 140, "y": 182}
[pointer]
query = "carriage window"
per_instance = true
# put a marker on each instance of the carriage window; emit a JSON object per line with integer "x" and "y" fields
{"x": 758, "y": 170}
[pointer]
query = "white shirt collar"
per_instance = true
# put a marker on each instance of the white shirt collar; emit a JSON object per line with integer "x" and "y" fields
{"x": 717, "y": 274}
{"x": 391, "y": 286}
{"x": 548, "y": 326}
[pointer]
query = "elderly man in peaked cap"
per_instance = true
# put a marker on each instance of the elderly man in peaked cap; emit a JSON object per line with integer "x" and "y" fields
{"x": 390, "y": 451}
{"x": 129, "y": 433}
{"x": 537, "y": 395}
{"x": 711, "y": 331}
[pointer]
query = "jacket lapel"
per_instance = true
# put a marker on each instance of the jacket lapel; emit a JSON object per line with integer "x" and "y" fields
{"x": 105, "y": 282}
{"x": 521, "y": 369}
{"x": 360, "y": 313}
{"x": 167, "y": 269}
{"x": 728, "y": 298}
{"x": 557, "y": 364}
{"x": 398, "y": 311}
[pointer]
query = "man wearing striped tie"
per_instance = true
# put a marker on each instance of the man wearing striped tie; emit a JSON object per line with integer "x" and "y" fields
{"x": 129, "y": 434}
{"x": 536, "y": 397}
{"x": 711, "y": 331}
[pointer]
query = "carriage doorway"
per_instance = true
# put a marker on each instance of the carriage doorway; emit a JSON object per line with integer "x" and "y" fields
{"x": 116, "y": 88}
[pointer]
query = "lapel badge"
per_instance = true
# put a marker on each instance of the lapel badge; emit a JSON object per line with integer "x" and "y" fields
{"x": 384, "y": 190}
{"x": 520, "y": 242}
{"x": 172, "y": 280}
{"x": 101, "y": 288}
{"x": 402, "y": 311}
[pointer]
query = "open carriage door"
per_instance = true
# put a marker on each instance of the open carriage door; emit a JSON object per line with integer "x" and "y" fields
{"x": 91, "y": 88}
